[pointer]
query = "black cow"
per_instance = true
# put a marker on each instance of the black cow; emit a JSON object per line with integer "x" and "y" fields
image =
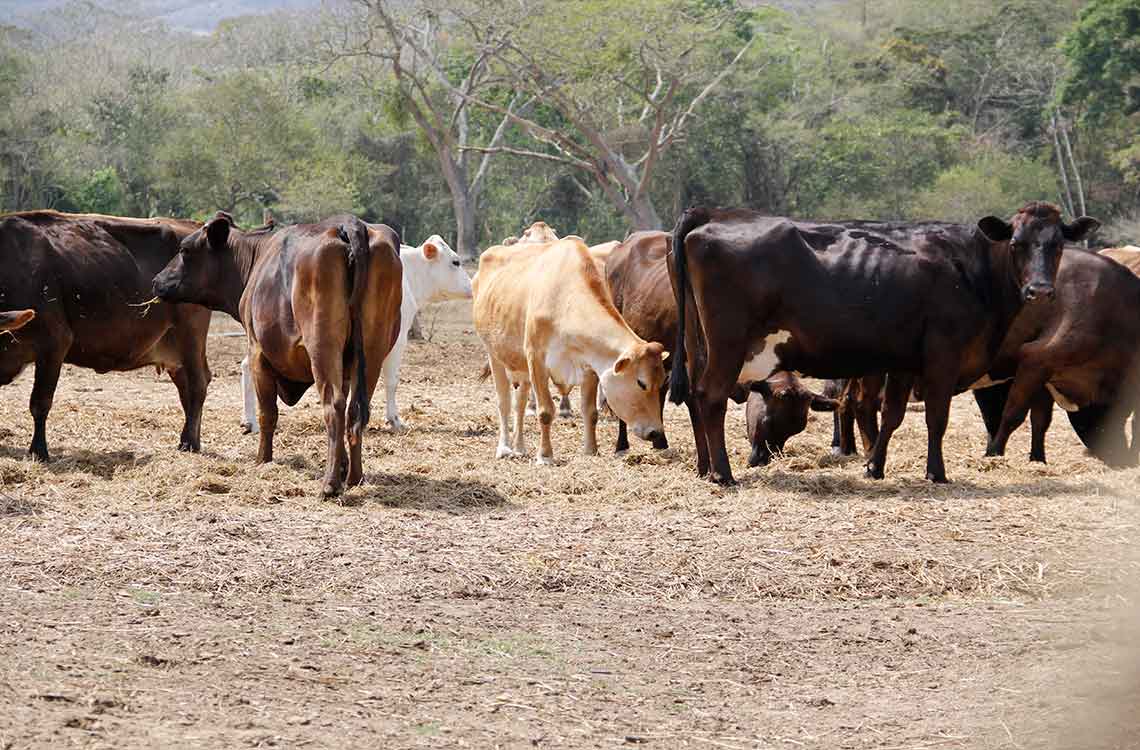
{"x": 758, "y": 294}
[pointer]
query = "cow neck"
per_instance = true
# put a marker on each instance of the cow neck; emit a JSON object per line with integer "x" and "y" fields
{"x": 246, "y": 248}
{"x": 415, "y": 283}
{"x": 601, "y": 348}
{"x": 1007, "y": 289}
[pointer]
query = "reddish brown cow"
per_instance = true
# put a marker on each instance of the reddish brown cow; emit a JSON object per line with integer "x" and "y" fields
{"x": 87, "y": 277}
{"x": 320, "y": 303}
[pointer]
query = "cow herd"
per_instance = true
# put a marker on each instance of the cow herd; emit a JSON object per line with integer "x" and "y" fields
{"x": 730, "y": 305}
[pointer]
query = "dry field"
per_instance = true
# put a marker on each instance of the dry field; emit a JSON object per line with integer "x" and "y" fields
{"x": 155, "y": 599}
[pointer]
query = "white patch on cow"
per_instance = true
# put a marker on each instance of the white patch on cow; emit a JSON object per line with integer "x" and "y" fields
{"x": 764, "y": 362}
{"x": 561, "y": 366}
{"x": 1062, "y": 400}
{"x": 986, "y": 381}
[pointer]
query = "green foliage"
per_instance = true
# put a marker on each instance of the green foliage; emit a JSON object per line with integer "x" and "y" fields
{"x": 992, "y": 183}
{"x": 100, "y": 193}
{"x": 1104, "y": 59}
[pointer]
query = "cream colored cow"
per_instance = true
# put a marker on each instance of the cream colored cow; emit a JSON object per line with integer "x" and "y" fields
{"x": 543, "y": 312}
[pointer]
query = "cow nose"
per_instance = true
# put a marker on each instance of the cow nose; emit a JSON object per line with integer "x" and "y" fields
{"x": 1036, "y": 291}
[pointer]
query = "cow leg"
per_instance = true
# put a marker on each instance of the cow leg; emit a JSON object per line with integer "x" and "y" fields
{"x": 622, "y": 439}
{"x": 265, "y": 386}
{"x": 894, "y": 407}
{"x": 1026, "y": 384}
{"x": 521, "y": 397}
{"x": 588, "y": 397}
{"x": 700, "y": 439}
{"x": 662, "y": 443}
{"x": 390, "y": 373}
{"x": 939, "y": 392}
{"x": 564, "y": 408}
{"x": 531, "y": 407}
{"x": 1101, "y": 428}
{"x": 192, "y": 393}
{"x": 330, "y": 386}
{"x": 867, "y": 404}
{"x": 48, "y": 365}
{"x": 503, "y": 391}
{"x": 540, "y": 381}
{"x": 248, "y": 400}
{"x": 991, "y": 403}
{"x": 1040, "y": 418}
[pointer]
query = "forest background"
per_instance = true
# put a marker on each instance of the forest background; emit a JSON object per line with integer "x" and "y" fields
{"x": 472, "y": 118}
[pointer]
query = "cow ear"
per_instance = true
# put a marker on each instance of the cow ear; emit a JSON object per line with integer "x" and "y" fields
{"x": 430, "y": 250}
{"x": 761, "y": 387}
{"x": 622, "y": 363}
{"x": 1080, "y": 228}
{"x": 217, "y": 232}
{"x": 995, "y": 229}
{"x": 823, "y": 403}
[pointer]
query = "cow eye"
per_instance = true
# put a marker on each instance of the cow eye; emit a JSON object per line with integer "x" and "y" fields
{"x": 455, "y": 263}
{"x": 641, "y": 385}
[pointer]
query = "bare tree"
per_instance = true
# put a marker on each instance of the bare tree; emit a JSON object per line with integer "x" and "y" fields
{"x": 623, "y": 118}
{"x": 411, "y": 42}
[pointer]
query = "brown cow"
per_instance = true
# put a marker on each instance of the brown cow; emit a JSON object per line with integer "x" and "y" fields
{"x": 15, "y": 320}
{"x": 1081, "y": 353}
{"x": 87, "y": 277}
{"x": 320, "y": 303}
{"x": 763, "y": 294}
{"x": 777, "y": 409}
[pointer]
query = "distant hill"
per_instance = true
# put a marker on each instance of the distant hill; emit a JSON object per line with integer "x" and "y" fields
{"x": 194, "y": 15}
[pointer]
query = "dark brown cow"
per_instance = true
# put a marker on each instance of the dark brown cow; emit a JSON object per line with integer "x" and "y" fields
{"x": 760, "y": 294}
{"x": 1081, "y": 353}
{"x": 320, "y": 303}
{"x": 86, "y": 276}
{"x": 15, "y": 320}
{"x": 777, "y": 409}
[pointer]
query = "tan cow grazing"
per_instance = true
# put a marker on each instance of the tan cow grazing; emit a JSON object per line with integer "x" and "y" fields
{"x": 545, "y": 313}
{"x": 320, "y": 304}
{"x": 11, "y": 321}
{"x": 1127, "y": 256}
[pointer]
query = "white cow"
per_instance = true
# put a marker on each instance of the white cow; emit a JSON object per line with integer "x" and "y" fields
{"x": 432, "y": 273}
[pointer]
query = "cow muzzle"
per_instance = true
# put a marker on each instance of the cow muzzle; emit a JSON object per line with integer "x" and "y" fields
{"x": 1036, "y": 290}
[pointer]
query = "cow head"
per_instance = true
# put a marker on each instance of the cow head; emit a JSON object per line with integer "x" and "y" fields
{"x": 435, "y": 271}
{"x": 632, "y": 388}
{"x": 1036, "y": 237}
{"x": 539, "y": 231}
{"x": 205, "y": 271}
{"x": 777, "y": 410}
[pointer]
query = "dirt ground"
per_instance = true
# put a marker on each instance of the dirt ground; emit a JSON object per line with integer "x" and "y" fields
{"x": 150, "y": 598}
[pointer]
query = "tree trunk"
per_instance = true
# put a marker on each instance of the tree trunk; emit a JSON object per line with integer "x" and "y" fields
{"x": 465, "y": 212}
{"x": 643, "y": 213}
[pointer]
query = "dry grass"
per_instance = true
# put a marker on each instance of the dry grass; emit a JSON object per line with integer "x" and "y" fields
{"x": 153, "y": 598}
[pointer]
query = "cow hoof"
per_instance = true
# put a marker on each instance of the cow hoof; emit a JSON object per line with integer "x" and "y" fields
{"x": 660, "y": 445}
{"x": 620, "y": 452}
{"x": 187, "y": 447}
{"x": 565, "y": 414}
{"x": 248, "y": 429}
{"x": 330, "y": 490}
{"x": 397, "y": 426}
{"x": 836, "y": 450}
{"x": 505, "y": 452}
{"x": 1037, "y": 459}
{"x": 544, "y": 460}
{"x": 40, "y": 458}
{"x": 937, "y": 478}
{"x": 530, "y": 412}
{"x": 874, "y": 472}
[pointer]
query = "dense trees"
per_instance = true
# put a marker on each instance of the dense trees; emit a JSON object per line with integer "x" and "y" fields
{"x": 472, "y": 117}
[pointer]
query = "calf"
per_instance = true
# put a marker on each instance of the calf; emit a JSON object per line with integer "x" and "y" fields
{"x": 777, "y": 409}
{"x": 88, "y": 279}
{"x": 432, "y": 272}
{"x": 320, "y": 303}
{"x": 759, "y": 294}
{"x": 12, "y": 321}
{"x": 543, "y": 313}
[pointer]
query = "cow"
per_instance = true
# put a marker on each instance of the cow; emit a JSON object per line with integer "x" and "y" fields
{"x": 759, "y": 294}
{"x": 776, "y": 409}
{"x": 432, "y": 273}
{"x": 1080, "y": 353}
{"x": 859, "y": 401}
{"x": 15, "y": 320}
{"x": 320, "y": 304}
{"x": 544, "y": 313}
{"x": 87, "y": 277}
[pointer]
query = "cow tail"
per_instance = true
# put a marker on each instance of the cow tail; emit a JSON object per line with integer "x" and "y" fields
{"x": 679, "y": 377}
{"x": 355, "y": 234}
